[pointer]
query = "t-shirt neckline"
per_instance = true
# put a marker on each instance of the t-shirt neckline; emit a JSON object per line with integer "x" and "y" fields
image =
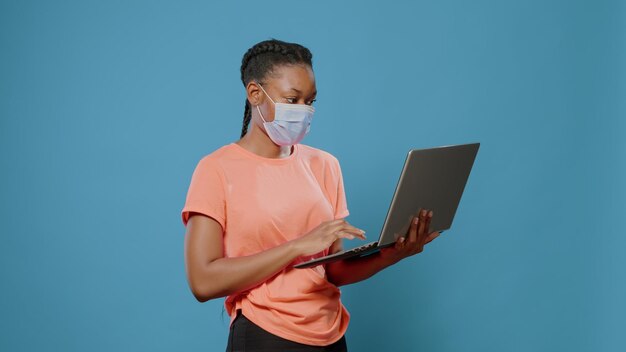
{"x": 252, "y": 155}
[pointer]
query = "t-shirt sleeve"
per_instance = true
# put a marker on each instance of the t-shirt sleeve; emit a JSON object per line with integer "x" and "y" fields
{"x": 206, "y": 193}
{"x": 337, "y": 193}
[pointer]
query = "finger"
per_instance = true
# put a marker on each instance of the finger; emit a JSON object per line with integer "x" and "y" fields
{"x": 342, "y": 234}
{"x": 361, "y": 232}
{"x": 413, "y": 230}
{"x": 429, "y": 218}
{"x": 350, "y": 231}
{"x": 432, "y": 236}
{"x": 353, "y": 230}
{"x": 332, "y": 225}
{"x": 422, "y": 222}
{"x": 337, "y": 222}
{"x": 340, "y": 224}
{"x": 400, "y": 243}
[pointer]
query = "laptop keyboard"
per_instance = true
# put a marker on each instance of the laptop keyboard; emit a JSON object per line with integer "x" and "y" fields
{"x": 363, "y": 247}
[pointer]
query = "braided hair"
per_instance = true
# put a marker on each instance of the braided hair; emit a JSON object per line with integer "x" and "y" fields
{"x": 261, "y": 59}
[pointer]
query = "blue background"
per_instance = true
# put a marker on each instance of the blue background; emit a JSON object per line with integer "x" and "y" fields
{"x": 106, "y": 107}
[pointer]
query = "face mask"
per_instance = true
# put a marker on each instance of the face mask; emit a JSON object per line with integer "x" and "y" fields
{"x": 291, "y": 122}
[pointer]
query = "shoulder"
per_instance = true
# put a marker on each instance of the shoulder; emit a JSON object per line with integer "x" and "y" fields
{"x": 317, "y": 155}
{"x": 212, "y": 163}
{"x": 217, "y": 156}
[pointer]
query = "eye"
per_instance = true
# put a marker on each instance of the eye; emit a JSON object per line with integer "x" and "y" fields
{"x": 291, "y": 100}
{"x": 311, "y": 102}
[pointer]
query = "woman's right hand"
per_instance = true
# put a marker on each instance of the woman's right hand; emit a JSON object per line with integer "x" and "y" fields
{"x": 324, "y": 235}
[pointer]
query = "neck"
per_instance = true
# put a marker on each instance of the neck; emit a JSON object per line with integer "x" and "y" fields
{"x": 259, "y": 143}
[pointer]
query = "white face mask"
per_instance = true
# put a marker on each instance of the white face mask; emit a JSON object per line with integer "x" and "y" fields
{"x": 291, "y": 122}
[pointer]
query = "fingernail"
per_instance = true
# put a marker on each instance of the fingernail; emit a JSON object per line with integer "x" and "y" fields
{"x": 415, "y": 221}
{"x": 430, "y": 214}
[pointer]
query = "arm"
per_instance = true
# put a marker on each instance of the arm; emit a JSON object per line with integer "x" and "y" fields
{"x": 211, "y": 275}
{"x": 346, "y": 272}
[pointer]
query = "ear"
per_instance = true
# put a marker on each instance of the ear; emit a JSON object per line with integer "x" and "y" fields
{"x": 254, "y": 94}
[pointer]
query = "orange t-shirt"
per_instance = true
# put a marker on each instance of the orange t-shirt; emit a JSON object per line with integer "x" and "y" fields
{"x": 261, "y": 203}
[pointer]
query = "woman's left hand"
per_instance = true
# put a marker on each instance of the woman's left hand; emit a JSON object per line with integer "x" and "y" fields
{"x": 417, "y": 235}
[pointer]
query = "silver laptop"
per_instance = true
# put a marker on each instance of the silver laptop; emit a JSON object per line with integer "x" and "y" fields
{"x": 432, "y": 178}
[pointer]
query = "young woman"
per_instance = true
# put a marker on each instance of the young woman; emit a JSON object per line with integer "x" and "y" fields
{"x": 258, "y": 206}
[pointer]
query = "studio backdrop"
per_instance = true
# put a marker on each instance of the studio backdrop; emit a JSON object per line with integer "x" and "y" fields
{"x": 106, "y": 108}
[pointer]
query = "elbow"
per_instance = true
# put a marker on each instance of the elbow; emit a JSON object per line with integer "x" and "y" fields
{"x": 206, "y": 287}
{"x": 200, "y": 295}
{"x": 197, "y": 278}
{"x": 204, "y": 293}
{"x": 197, "y": 291}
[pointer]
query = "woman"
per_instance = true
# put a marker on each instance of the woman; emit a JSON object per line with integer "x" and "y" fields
{"x": 258, "y": 206}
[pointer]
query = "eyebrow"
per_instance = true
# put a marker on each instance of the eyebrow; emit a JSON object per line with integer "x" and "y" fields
{"x": 299, "y": 92}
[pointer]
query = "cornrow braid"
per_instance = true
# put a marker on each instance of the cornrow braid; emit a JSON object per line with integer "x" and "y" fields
{"x": 262, "y": 58}
{"x": 247, "y": 115}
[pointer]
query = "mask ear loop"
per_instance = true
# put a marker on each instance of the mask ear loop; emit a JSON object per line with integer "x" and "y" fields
{"x": 259, "y": 110}
{"x": 257, "y": 107}
{"x": 259, "y": 84}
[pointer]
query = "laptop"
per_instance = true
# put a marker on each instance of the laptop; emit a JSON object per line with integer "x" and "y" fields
{"x": 432, "y": 178}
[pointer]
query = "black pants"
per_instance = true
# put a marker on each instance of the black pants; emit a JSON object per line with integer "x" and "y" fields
{"x": 247, "y": 336}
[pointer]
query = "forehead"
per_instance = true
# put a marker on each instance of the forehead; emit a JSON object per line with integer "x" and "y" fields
{"x": 300, "y": 77}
